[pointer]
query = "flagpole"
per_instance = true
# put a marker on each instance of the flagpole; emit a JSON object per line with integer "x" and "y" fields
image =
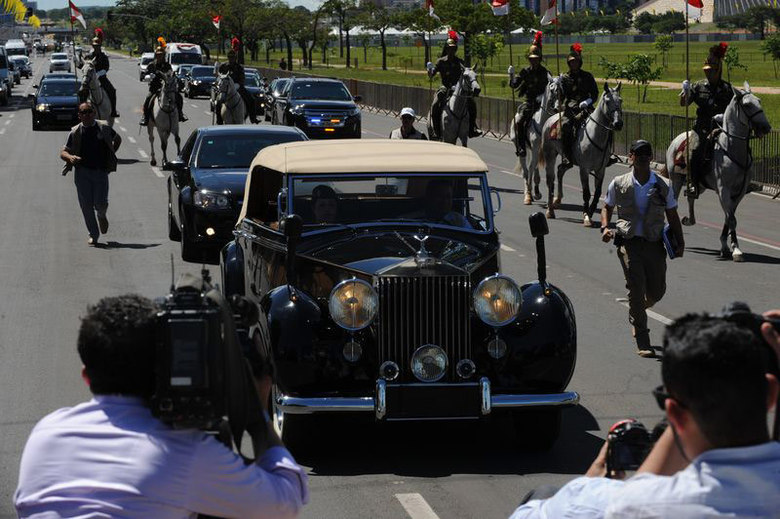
{"x": 73, "y": 42}
{"x": 687, "y": 120}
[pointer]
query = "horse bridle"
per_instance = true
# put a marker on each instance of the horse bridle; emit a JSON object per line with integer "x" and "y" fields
{"x": 458, "y": 117}
{"x": 97, "y": 90}
{"x": 159, "y": 96}
{"x": 609, "y": 129}
{"x": 749, "y": 120}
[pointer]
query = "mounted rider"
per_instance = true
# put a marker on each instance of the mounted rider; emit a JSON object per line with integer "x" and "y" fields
{"x": 530, "y": 84}
{"x": 712, "y": 96}
{"x": 157, "y": 69}
{"x": 236, "y": 71}
{"x": 580, "y": 93}
{"x": 450, "y": 68}
{"x": 99, "y": 60}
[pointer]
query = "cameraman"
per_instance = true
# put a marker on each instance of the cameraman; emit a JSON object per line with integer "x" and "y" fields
{"x": 110, "y": 457}
{"x": 715, "y": 459}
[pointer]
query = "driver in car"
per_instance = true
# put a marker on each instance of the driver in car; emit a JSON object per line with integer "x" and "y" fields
{"x": 324, "y": 204}
{"x": 438, "y": 204}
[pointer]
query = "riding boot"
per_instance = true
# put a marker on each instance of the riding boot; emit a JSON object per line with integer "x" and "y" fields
{"x": 180, "y": 106}
{"x": 250, "y": 105}
{"x": 218, "y": 112}
{"x": 474, "y": 131}
{"x": 145, "y": 111}
{"x": 436, "y": 122}
{"x": 111, "y": 92}
{"x": 566, "y": 142}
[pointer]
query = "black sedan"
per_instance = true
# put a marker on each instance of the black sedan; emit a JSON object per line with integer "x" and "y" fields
{"x": 206, "y": 185}
{"x": 254, "y": 85}
{"x": 182, "y": 73}
{"x": 199, "y": 81}
{"x": 321, "y": 107}
{"x": 55, "y": 103}
{"x": 274, "y": 91}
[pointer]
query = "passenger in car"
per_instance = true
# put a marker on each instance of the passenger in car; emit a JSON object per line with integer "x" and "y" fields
{"x": 438, "y": 204}
{"x": 324, "y": 204}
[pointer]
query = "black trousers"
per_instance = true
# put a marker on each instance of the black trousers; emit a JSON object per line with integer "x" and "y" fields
{"x": 110, "y": 90}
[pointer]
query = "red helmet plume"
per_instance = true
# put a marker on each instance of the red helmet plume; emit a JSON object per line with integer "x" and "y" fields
{"x": 452, "y": 35}
{"x": 722, "y": 48}
{"x": 577, "y": 47}
{"x": 235, "y": 43}
{"x": 538, "y": 38}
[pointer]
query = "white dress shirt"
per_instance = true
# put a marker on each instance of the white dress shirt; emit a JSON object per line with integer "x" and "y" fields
{"x": 739, "y": 482}
{"x": 110, "y": 458}
{"x": 642, "y": 194}
{"x": 583, "y": 498}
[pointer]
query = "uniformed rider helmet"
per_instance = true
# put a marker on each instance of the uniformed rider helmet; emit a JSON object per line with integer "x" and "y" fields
{"x": 715, "y": 58}
{"x": 97, "y": 40}
{"x": 535, "y": 50}
{"x": 452, "y": 39}
{"x": 575, "y": 53}
{"x": 160, "y": 49}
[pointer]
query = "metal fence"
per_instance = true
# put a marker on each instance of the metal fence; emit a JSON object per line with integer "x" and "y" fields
{"x": 494, "y": 115}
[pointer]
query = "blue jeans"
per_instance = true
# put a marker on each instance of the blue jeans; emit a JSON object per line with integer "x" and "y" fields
{"x": 92, "y": 188}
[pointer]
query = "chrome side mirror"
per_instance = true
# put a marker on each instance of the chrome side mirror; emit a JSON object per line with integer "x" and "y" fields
{"x": 495, "y": 195}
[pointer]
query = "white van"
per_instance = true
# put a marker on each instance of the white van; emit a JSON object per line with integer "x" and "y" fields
{"x": 179, "y": 53}
{"x": 16, "y": 48}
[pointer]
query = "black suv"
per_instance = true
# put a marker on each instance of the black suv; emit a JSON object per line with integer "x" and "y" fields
{"x": 321, "y": 107}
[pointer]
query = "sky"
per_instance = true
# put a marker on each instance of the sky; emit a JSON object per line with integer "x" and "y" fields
{"x": 58, "y": 4}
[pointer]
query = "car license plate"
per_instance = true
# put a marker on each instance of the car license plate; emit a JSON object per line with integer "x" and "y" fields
{"x": 416, "y": 401}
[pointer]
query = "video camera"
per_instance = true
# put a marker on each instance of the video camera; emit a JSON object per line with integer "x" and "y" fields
{"x": 202, "y": 375}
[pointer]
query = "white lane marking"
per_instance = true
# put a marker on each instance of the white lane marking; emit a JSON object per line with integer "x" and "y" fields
{"x": 206, "y": 112}
{"x": 131, "y": 139}
{"x": 157, "y": 172}
{"x": 8, "y": 122}
{"x": 756, "y": 242}
{"x": 416, "y": 506}
{"x": 507, "y": 248}
{"x": 511, "y": 173}
{"x": 193, "y": 105}
{"x": 143, "y": 153}
{"x": 374, "y": 133}
{"x": 11, "y": 116}
{"x": 2, "y": 131}
{"x": 653, "y": 315}
{"x": 123, "y": 129}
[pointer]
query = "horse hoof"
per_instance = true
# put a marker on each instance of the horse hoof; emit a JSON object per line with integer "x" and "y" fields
{"x": 688, "y": 221}
{"x": 527, "y": 200}
{"x": 725, "y": 254}
{"x": 557, "y": 202}
{"x": 537, "y": 194}
{"x": 586, "y": 222}
{"x": 550, "y": 214}
{"x": 737, "y": 256}
{"x": 153, "y": 162}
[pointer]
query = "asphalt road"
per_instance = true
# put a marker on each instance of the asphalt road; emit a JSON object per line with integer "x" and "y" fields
{"x": 358, "y": 469}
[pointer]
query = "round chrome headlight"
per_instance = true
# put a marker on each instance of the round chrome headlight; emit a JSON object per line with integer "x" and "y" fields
{"x": 429, "y": 363}
{"x": 497, "y": 300}
{"x": 353, "y": 304}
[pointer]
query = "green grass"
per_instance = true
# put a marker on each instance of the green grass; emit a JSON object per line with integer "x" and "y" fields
{"x": 760, "y": 69}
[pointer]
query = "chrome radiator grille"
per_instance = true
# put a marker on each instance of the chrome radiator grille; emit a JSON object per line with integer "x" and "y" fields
{"x": 414, "y": 311}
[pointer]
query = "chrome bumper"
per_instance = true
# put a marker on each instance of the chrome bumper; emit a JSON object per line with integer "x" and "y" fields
{"x": 378, "y": 404}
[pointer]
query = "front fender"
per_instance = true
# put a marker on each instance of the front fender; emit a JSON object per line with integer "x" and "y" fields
{"x": 231, "y": 265}
{"x": 541, "y": 344}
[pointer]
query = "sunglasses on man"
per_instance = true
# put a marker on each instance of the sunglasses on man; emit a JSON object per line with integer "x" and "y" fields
{"x": 87, "y": 111}
{"x": 661, "y": 395}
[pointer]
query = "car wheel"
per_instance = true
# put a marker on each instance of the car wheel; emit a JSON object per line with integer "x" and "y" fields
{"x": 18, "y": 80}
{"x": 4, "y": 100}
{"x": 537, "y": 429}
{"x": 174, "y": 233}
{"x": 189, "y": 252}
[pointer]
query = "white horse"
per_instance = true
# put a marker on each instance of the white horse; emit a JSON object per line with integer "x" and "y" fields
{"x": 455, "y": 113}
{"x": 232, "y": 110}
{"x": 95, "y": 93}
{"x": 165, "y": 117}
{"x": 592, "y": 150}
{"x": 732, "y": 164}
{"x": 547, "y": 107}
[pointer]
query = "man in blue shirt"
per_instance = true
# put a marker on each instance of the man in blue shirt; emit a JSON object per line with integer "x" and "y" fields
{"x": 715, "y": 459}
{"x": 110, "y": 457}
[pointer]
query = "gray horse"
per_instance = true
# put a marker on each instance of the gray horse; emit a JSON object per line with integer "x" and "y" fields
{"x": 592, "y": 150}
{"x": 165, "y": 117}
{"x": 455, "y": 115}
{"x": 732, "y": 164}
{"x": 94, "y": 92}
{"x": 547, "y": 107}
{"x": 232, "y": 110}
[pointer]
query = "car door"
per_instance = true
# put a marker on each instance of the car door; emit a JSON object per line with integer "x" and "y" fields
{"x": 181, "y": 178}
{"x": 281, "y": 103}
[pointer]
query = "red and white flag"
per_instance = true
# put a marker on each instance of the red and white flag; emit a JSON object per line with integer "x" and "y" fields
{"x": 429, "y": 6}
{"x": 550, "y": 14}
{"x": 75, "y": 15}
{"x": 696, "y": 3}
{"x": 500, "y": 7}
{"x": 216, "y": 21}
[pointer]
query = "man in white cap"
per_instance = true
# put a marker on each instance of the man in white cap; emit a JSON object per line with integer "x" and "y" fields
{"x": 407, "y": 129}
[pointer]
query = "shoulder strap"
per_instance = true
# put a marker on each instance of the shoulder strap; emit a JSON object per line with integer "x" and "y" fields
{"x": 75, "y": 140}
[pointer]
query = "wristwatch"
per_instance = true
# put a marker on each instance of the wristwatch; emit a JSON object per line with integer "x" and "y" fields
{"x": 603, "y": 228}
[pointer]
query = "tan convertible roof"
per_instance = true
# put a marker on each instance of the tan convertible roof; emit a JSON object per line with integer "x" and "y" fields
{"x": 368, "y": 156}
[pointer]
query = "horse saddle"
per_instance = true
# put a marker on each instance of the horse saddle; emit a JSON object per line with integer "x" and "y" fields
{"x": 680, "y": 153}
{"x": 555, "y": 130}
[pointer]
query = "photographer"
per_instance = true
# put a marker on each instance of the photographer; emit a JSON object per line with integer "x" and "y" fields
{"x": 111, "y": 457}
{"x": 715, "y": 459}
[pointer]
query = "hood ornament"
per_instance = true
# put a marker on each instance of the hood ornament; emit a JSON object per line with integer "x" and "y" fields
{"x": 422, "y": 257}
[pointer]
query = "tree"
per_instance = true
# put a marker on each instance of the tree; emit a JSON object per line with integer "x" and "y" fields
{"x": 669, "y": 22}
{"x": 644, "y": 23}
{"x": 638, "y": 70}
{"x": 663, "y": 43}
{"x": 379, "y": 18}
{"x": 484, "y": 47}
{"x": 771, "y": 47}
{"x": 468, "y": 19}
{"x": 421, "y": 24}
{"x": 731, "y": 59}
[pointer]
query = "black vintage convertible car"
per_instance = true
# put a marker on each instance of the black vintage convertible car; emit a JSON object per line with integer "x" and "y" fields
{"x": 375, "y": 266}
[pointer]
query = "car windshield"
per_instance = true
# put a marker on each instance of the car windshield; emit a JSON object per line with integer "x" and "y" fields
{"x": 279, "y": 85}
{"x": 202, "y": 72}
{"x": 185, "y": 57}
{"x": 146, "y": 61}
{"x": 59, "y": 57}
{"x": 252, "y": 81}
{"x": 448, "y": 200}
{"x": 236, "y": 151}
{"x": 325, "y": 90}
{"x": 59, "y": 88}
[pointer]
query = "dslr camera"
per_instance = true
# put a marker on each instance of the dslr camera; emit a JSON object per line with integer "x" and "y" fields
{"x": 201, "y": 373}
{"x": 628, "y": 444}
